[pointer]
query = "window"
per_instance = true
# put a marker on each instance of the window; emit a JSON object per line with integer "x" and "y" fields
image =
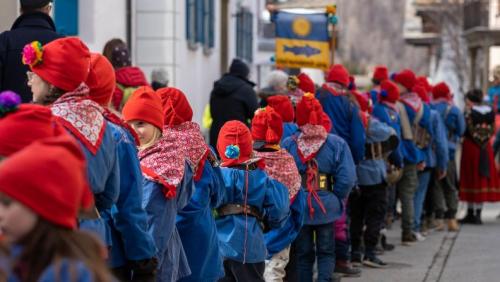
{"x": 200, "y": 17}
{"x": 66, "y": 16}
{"x": 244, "y": 35}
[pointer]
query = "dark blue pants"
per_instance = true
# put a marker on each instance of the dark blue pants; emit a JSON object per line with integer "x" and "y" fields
{"x": 308, "y": 250}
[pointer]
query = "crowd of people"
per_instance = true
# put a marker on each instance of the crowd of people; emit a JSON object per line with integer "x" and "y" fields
{"x": 105, "y": 178}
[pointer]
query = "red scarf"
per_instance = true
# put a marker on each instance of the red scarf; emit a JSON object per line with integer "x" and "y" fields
{"x": 412, "y": 100}
{"x": 329, "y": 87}
{"x": 164, "y": 163}
{"x": 310, "y": 140}
{"x": 188, "y": 137}
{"x": 281, "y": 167}
{"x": 81, "y": 116}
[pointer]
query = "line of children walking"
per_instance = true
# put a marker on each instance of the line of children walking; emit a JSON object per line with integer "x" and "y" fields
{"x": 310, "y": 183}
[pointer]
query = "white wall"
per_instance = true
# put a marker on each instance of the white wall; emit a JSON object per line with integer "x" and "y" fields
{"x": 100, "y": 21}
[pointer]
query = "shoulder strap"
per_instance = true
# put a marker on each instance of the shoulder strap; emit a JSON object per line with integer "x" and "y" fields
{"x": 404, "y": 120}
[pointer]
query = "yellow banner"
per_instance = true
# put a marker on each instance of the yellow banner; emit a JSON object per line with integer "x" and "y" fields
{"x": 296, "y": 53}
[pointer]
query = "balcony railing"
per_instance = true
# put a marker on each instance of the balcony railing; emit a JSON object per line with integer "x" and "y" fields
{"x": 476, "y": 13}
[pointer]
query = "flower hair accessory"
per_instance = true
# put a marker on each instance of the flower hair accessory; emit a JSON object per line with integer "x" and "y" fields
{"x": 32, "y": 54}
{"x": 232, "y": 152}
{"x": 9, "y": 102}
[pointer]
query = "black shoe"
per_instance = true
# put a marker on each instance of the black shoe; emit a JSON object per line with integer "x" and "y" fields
{"x": 386, "y": 246}
{"x": 374, "y": 261}
{"x": 408, "y": 239}
{"x": 477, "y": 217}
{"x": 346, "y": 269}
{"x": 469, "y": 218}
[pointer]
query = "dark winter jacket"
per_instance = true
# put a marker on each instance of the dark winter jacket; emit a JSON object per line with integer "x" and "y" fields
{"x": 26, "y": 28}
{"x": 232, "y": 98}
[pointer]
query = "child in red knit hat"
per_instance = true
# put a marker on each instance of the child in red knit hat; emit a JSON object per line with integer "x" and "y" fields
{"x": 195, "y": 222}
{"x": 253, "y": 203}
{"x": 266, "y": 131}
{"x": 40, "y": 225}
{"x": 168, "y": 183}
{"x": 59, "y": 70}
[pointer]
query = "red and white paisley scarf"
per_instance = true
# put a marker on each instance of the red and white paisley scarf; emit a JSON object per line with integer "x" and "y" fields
{"x": 280, "y": 166}
{"x": 310, "y": 140}
{"x": 412, "y": 100}
{"x": 81, "y": 116}
{"x": 192, "y": 143}
{"x": 164, "y": 163}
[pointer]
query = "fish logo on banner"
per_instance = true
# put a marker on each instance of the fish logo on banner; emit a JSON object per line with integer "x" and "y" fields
{"x": 302, "y": 40}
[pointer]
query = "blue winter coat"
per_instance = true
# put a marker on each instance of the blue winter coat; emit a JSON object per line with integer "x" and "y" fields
{"x": 197, "y": 228}
{"x": 333, "y": 158}
{"x": 103, "y": 172}
{"x": 454, "y": 123}
{"x": 289, "y": 129}
{"x": 131, "y": 242}
{"x": 389, "y": 116}
{"x": 411, "y": 153}
{"x": 241, "y": 237}
{"x": 162, "y": 212}
{"x": 346, "y": 121}
{"x": 437, "y": 152}
{"x": 278, "y": 239}
{"x": 373, "y": 172}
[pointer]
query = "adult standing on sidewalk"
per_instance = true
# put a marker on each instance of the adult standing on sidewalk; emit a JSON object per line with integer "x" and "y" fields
{"x": 34, "y": 24}
{"x": 232, "y": 98}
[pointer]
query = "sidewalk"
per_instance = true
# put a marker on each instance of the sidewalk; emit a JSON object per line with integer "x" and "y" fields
{"x": 472, "y": 254}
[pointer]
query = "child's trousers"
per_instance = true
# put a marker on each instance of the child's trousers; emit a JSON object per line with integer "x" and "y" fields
{"x": 275, "y": 267}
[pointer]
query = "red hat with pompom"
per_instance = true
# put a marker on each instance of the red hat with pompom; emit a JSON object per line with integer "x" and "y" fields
{"x": 283, "y": 106}
{"x": 309, "y": 111}
{"x": 441, "y": 91}
{"x": 101, "y": 79}
{"x": 380, "y": 73}
{"x": 49, "y": 177}
{"x": 267, "y": 127}
{"x": 421, "y": 92}
{"x": 234, "y": 143}
{"x": 406, "y": 78}
{"x": 339, "y": 74}
{"x": 389, "y": 91}
{"x": 306, "y": 84}
{"x": 176, "y": 107}
{"x": 422, "y": 80}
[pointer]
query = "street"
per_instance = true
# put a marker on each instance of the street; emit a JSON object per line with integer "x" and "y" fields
{"x": 472, "y": 254}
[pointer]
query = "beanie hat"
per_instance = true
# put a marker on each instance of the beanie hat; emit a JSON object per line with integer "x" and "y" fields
{"x": 421, "y": 92}
{"x": 267, "y": 127}
{"x": 283, "y": 106}
{"x": 338, "y": 74}
{"x": 239, "y": 68}
{"x": 23, "y": 124}
{"x": 64, "y": 62}
{"x": 234, "y": 143}
{"x": 422, "y": 80}
{"x": 441, "y": 90}
{"x": 381, "y": 73}
{"x": 101, "y": 80}
{"x": 389, "y": 91}
{"x": 145, "y": 105}
{"x": 34, "y": 4}
{"x": 49, "y": 177}
{"x": 406, "y": 78}
{"x": 309, "y": 111}
{"x": 176, "y": 108}
{"x": 306, "y": 84}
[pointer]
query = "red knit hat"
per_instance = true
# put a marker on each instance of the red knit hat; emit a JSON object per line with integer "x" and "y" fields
{"x": 339, "y": 74}
{"x": 283, "y": 106}
{"x": 380, "y": 73}
{"x": 421, "y": 92}
{"x": 145, "y": 105}
{"x": 101, "y": 80}
{"x": 422, "y": 80}
{"x": 49, "y": 177}
{"x": 64, "y": 63}
{"x": 176, "y": 108}
{"x": 234, "y": 143}
{"x": 389, "y": 91}
{"x": 306, "y": 84}
{"x": 309, "y": 111}
{"x": 441, "y": 90}
{"x": 24, "y": 125}
{"x": 326, "y": 122}
{"x": 406, "y": 78}
{"x": 267, "y": 127}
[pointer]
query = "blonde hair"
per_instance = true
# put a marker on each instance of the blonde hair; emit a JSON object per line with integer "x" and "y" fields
{"x": 156, "y": 136}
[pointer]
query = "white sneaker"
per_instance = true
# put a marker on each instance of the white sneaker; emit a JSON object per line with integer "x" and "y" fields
{"x": 419, "y": 236}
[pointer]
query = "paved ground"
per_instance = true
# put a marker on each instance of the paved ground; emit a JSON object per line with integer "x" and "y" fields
{"x": 472, "y": 254}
